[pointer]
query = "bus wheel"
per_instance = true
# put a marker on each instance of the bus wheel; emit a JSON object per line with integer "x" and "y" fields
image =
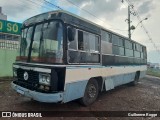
{"x": 91, "y": 93}
{"x": 136, "y": 79}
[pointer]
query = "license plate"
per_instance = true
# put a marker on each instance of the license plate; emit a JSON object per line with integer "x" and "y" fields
{"x": 20, "y": 91}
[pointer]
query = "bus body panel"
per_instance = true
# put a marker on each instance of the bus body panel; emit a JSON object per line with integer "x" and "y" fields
{"x": 74, "y": 90}
{"x": 77, "y": 78}
{"x": 38, "y": 96}
{"x": 85, "y": 73}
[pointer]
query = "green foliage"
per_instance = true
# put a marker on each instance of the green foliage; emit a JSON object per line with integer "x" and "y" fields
{"x": 153, "y": 72}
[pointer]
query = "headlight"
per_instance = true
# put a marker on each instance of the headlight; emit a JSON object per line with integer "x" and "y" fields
{"x": 44, "y": 79}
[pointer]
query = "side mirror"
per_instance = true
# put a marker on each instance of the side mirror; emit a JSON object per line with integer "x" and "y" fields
{"x": 71, "y": 33}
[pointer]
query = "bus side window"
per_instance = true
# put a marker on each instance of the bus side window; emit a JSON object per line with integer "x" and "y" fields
{"x": 97, "y": 44}
{"x": 80, "y": 41}
{"x": 73, "y": 44}
{"x": 106, "y": 36}
{"x": 129, "y": 48}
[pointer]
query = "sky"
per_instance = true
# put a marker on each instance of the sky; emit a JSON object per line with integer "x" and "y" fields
{"x": 110, "y": 14}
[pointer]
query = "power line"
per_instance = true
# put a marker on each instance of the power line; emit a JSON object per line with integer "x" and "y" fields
{"x": 52, "y": 4}
{"x": 35, "y": 3}
{"x": 92, "y": 15}
{"x": 144, "y": 28}
{"x": 20, "y": 5}
{"x": 58, "y": 7}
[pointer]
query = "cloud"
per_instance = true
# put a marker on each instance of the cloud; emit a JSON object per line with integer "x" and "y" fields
{"x": 100, "y": 8}
{"x": 109, "y": 13}
{"x": 19, "y": 10}
{"x": 145, "y": 7}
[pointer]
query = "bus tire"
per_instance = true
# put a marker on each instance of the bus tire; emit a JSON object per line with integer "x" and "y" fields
{"x": 136, "y": 79}
{"x": 91, "y": 93}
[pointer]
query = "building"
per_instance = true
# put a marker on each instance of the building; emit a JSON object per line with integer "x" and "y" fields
{"x": 2, "y": 16}
{"x": 9, "y": 32}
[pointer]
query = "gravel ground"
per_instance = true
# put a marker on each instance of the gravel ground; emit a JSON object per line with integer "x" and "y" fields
{"x": 143, "y": 97}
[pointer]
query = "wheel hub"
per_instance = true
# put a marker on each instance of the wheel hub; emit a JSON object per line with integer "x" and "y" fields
{"x": 92, "y": 91}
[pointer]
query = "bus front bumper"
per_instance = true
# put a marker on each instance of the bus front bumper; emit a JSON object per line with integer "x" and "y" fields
{"x": 41, "y": 97}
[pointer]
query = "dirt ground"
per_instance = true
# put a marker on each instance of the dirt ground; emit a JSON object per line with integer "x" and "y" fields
{"x": 143, "y": 97}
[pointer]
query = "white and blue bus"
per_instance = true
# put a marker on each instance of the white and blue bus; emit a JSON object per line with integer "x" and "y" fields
{"x": 63, "y": 57}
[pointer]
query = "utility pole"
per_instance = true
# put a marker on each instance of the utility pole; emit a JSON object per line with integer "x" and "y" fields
{"x": 129, "y": 22}
{"x": 129, "y": 19}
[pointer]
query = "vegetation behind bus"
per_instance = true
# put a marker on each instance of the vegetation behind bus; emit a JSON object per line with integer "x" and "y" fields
{"x": 153, "y": 72}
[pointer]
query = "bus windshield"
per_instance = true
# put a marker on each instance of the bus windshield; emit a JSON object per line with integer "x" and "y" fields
{"x": 44, "y": 42}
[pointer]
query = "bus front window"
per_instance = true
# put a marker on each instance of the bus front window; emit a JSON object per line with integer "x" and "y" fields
{"x": 25, "y": 43}
{"x": 47, "y": 45}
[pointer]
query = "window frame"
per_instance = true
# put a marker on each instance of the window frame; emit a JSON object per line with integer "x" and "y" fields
{"x": 68, "y": 49}
{"x": 77, "y": 29}
{"x": 109, "y": 34}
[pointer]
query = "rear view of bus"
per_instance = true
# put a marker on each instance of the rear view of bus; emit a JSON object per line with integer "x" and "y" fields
{"x": 63, "y": 57}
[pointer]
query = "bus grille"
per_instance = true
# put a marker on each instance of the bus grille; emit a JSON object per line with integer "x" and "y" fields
{"x": 32, "y": 81}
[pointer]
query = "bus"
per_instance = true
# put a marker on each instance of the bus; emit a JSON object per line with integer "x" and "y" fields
{"x": 63, "y": 57}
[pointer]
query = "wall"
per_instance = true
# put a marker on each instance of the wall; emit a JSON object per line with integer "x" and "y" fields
{"x": 7, "y": 57}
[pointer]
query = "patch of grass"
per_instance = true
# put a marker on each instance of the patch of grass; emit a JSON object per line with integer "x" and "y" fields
{"x": 153, "y": 72}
